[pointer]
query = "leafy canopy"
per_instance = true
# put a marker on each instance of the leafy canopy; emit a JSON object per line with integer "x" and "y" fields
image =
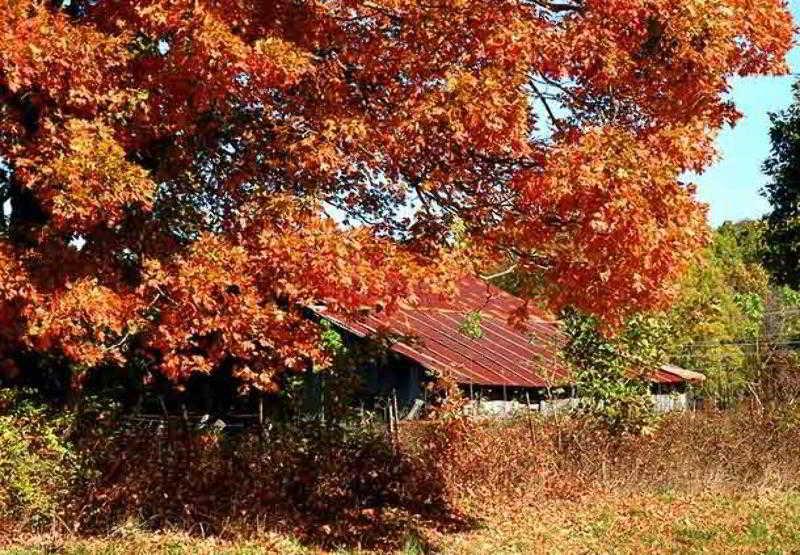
{"x": 169, "y": 165}
{"x": 732, "y": 321}
{"x": 720, "y": 309}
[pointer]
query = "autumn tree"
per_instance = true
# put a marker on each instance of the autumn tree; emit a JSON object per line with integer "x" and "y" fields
{"x": 181, "y": 177}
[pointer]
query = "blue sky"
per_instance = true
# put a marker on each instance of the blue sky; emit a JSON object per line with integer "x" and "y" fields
{"x": 731, "y": 186}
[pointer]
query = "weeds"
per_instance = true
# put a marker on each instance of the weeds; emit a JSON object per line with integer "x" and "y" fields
{"x": 347, "y": 487}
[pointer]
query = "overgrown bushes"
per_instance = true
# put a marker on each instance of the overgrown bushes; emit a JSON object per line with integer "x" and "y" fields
{"x": 329, "y": 483}
{"x": 300, "y": 474}
{"x": 343, "y": 484}
{"x": 527, "y": 460}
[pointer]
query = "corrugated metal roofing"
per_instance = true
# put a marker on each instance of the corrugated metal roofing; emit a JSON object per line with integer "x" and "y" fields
{"x": 503, "y": 355}
{"x": 685, "y": 375}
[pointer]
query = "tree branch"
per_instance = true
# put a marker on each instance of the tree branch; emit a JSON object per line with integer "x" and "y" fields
{"x": 550, "y": 113}
{"x": 499, "y": 274}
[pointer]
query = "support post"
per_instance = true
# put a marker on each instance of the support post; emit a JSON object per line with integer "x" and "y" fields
{"x": 530, "y": 416}
{"x": 262, "y": 432}
{"x": 472, "y": 399}
{"x": 396, "y": 415}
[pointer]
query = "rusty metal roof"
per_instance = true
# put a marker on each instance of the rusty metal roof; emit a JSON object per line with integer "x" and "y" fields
{"x": 503, "y": 355}
{"x": 682, "y": 373}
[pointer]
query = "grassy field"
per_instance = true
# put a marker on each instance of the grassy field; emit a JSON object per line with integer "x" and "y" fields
{"x": 662, "y": 522}
{"x": 644, "y": 523}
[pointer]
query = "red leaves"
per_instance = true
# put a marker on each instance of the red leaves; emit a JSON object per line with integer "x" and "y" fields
{"x": 209, "y": 310}
{"x": 673, "y": 59}
{"x": 241, "y": 301}
{"x": 74, "y": 65}
{"x": 87, "y": 322}
{"x": 16, "y": 293}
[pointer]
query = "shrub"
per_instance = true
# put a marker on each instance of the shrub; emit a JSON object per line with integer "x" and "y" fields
{"x": 38, "y": 465}
{"x": 347, "y": 483}
{"x": 611, "y": 372}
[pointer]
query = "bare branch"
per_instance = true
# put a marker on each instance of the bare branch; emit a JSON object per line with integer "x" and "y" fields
{"x": 505, "y": 272}
{"x": 550, "y": 113}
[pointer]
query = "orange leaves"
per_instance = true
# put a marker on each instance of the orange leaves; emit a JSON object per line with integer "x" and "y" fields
{"x": 241, "y": 302}
{"x": 210, "y": 312}
{"x": 322, "y": 153}
{"x": 673, "y": 59}
{"x": 87, "y": 322}
{"x": 289, "y": 61}
{"x": 765, "y": 27}
{"x": 209, "y": 42}
{"x": 617, "y": 225}
{"x": 170, "y": 160}
{"x": 198, "y": 58}
{"x": 349, "y": 270}
{"x": 487, "y": 111}
{"x": 43, "y": 51}
{"x": 13, "y": 280}
{"x": 87, "y": 181}
{"x": 16, "y": 292}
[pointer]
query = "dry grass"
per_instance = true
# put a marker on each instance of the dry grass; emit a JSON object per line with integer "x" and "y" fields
{"x": 717, "y": 482}
{"x": 532, "y": 460}
{"x": 141, "y": 543}
{"x": 644, "y": 522}
{"x": 610, "y": 522}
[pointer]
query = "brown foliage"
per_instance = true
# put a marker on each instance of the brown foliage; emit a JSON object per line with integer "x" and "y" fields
{"x": 779, "y": 379}
{"x": 327, "y": 486}
{"x": 334, "y": 487}
{"x": 522, "y": 461}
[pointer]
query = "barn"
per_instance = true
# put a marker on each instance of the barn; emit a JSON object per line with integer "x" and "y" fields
{"x": 498, "y": 369}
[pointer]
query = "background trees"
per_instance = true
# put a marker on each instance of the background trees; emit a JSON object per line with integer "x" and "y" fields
{"x": 731, "y": 321}
{"x": 783, "y": 192}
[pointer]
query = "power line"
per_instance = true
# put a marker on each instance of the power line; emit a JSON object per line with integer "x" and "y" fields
{"x": 762, "y": 341}
{"x": 785, "y": 311}
{"x": 689, "y": 347}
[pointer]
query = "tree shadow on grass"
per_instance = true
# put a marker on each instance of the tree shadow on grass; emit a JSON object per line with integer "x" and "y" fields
{"x": 383, "y": 530}
{"x": 326, "y": 486}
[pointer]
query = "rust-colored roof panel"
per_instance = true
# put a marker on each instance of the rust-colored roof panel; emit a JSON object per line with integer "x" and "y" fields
{"x": 682, "y": 373}
{"x": 503, "y": 355}
{"x": 664, "y": 377}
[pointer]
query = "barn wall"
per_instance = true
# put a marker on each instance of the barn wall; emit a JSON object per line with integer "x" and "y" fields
{"x": 394, "y": 376}
{"x": 663, "y": 403}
